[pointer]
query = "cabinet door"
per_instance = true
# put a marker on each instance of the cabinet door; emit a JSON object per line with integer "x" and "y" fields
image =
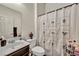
{"x": 21, "y": 52}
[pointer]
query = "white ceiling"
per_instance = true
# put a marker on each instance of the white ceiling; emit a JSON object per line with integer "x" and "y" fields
{"x": 40, "y": 6}
{"x": 19, "y": 6}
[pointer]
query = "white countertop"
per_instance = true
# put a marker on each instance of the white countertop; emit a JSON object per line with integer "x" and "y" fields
{"x": 9, "y": 48}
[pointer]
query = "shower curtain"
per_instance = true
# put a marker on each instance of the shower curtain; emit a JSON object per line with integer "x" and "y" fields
{"x": 42, "y": 31}
{"x": 52, "y": 27}
{"x": 49, "y": 42}
{"x": 77, "y": 22}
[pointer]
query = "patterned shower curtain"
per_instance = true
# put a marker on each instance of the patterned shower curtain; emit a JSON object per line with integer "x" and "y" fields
{"x": 53, "y": 25}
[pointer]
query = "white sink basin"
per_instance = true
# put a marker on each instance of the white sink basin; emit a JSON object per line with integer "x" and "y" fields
{"x": 13, "y": 45}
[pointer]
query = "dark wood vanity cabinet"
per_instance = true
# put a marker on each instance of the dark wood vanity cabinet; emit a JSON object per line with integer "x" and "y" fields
{"x": 21, "y": 52}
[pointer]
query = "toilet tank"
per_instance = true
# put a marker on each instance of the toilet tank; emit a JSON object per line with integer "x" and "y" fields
{"x": 32, "y": 42}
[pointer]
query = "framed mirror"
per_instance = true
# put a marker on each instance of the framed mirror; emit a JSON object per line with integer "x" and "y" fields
{"x": 9, "y": 19}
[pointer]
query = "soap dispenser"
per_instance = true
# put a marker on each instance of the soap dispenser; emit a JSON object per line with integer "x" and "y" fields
{"x": 3, "y": 41}
{"x": 0, "y": 41}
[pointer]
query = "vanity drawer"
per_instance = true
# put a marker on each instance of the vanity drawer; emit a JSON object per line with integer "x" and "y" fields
{"x": 21, "y": 52}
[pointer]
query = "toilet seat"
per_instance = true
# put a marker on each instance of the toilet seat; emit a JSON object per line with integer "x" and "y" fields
{"x": 38, "y": 51}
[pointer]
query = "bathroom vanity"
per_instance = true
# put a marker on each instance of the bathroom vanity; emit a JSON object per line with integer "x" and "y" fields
{"x": 19, "y": 48}
{"x": 24, "y": 51}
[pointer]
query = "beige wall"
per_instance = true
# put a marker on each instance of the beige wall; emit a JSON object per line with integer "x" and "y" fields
{"x": 54, "y": 6}
{"x": 40, "y": 8}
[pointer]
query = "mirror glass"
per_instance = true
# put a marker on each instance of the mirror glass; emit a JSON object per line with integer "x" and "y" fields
{"x": 8, "y": 19}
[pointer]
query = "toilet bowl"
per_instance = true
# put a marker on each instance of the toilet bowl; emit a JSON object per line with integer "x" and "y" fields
{"x": 36, "y": 50}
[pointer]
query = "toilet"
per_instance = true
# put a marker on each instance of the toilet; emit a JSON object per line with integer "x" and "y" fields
{"x": 36, "y": 50}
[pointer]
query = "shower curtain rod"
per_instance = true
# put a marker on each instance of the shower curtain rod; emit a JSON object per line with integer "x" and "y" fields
{"x": 58, "y": 9}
